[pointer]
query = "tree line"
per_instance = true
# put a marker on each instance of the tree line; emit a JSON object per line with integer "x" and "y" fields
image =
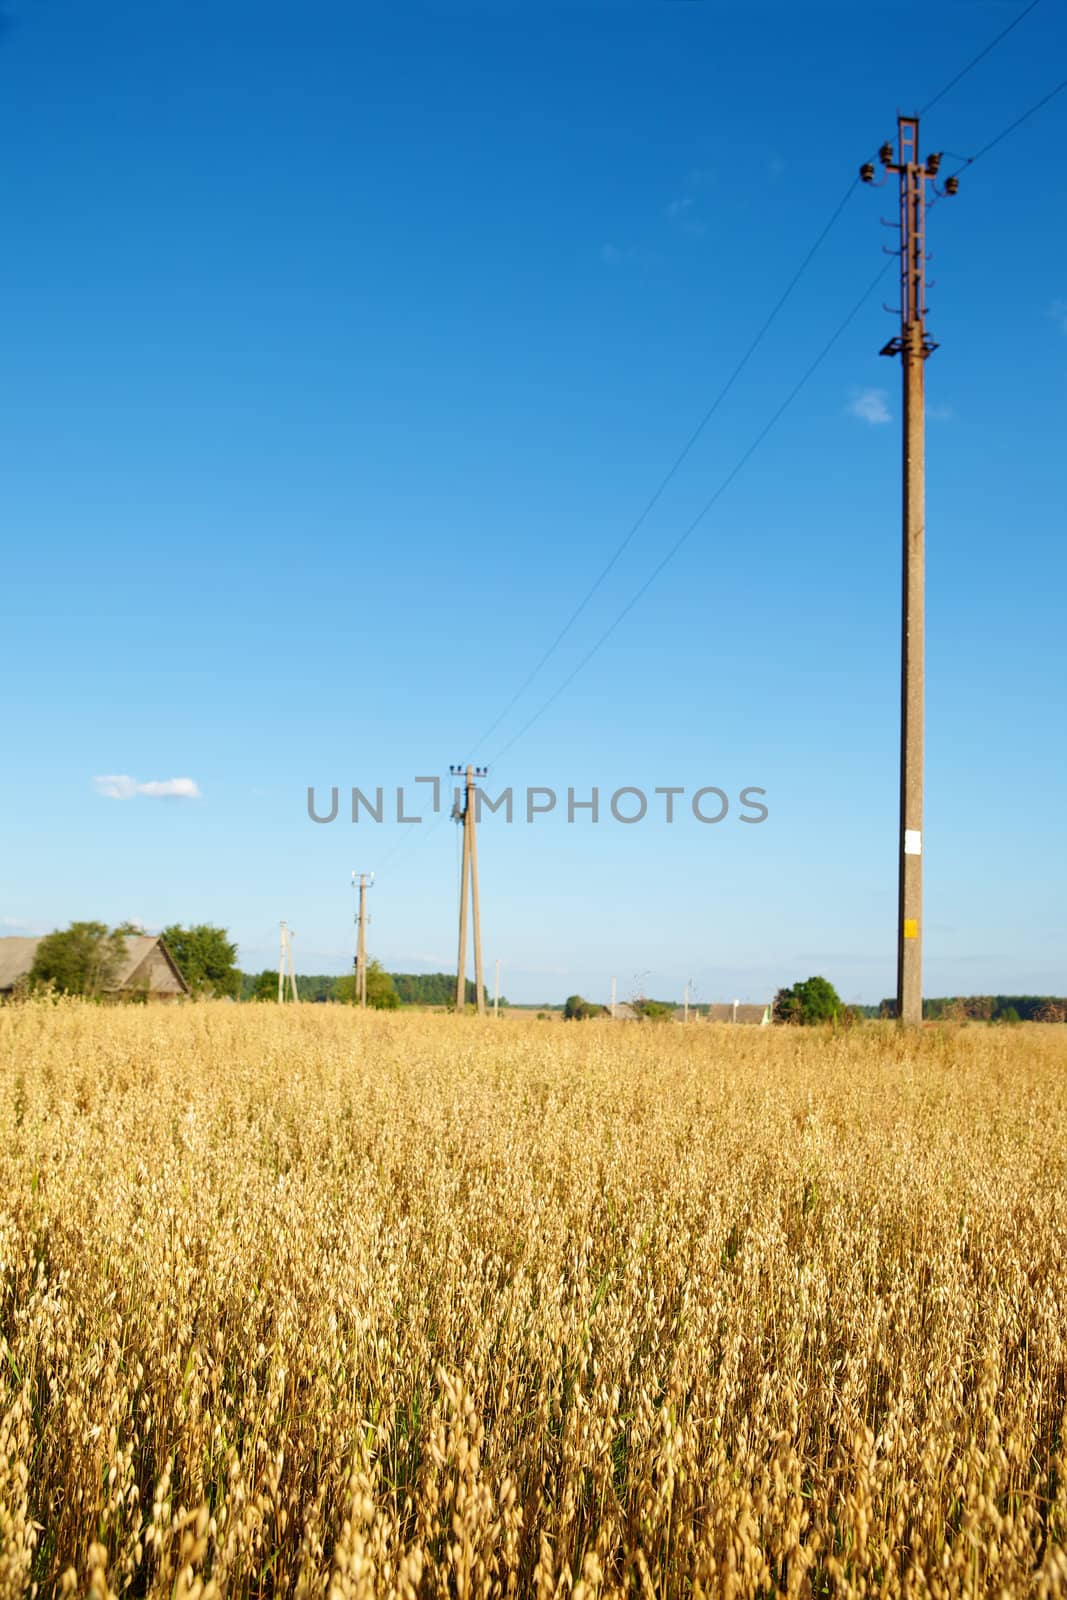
{"x": 87, "y": 959}
{"x": 989, "y": 1008}
{"x": 385, "y": 990}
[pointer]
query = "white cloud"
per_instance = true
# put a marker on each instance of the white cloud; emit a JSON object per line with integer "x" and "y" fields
{"x": 119, "y": 786}
{"x": 682, "y": 214}
{"x": 1059, "y": 313}
{"x": 871, "y": 405}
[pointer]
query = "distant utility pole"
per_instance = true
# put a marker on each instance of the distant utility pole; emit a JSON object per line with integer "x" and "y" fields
{"x": 496, "y": 989}
{"x": 285, "y": 959}
{"x": 913, "y": 345}
{"x": 366, "y": 880}
{"x": 466, "y": 815}
{"x": 685, "y": 1016}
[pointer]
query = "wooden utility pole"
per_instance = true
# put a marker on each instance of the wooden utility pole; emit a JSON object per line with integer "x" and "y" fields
{"x": 461, "y": 959}
{"x": 285, "y": 966}
{"x": 359, "y": 997}
{"x": 479, "y": 980}
{"x": 467, "y": 816}
{"x": 913, "y": 345}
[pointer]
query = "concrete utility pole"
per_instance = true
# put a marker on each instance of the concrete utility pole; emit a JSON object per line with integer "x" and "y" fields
{"x": 913, "y": 345}
{"x": 466, "y": 816}
{"x": 359, "y": 997}
{"x": 285, "y": 961}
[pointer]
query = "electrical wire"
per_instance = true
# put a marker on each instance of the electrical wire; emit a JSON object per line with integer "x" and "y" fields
{"x": 650, "y": 505}
{"x": 941, "y": 93}
{"x": 403, "y": 849}
{"x": 410, "y": 838}
{"x": 969, "y": 161}
{"x": 673, "y": 469}
{"x": 702, "y": 513}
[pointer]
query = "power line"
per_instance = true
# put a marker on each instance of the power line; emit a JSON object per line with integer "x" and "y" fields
{"x": 402, "y": 849}
{"x": 538, "y": 668}
{"x": 688, "y": 531}
{"x": 672, "y": 470}
{"x": 406, "y": 843}
{"x": 941, "y": 93}
{"x": 969, "y": 161}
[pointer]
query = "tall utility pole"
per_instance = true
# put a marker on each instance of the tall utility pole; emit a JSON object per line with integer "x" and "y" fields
{"x": 365, "y": 881}
{"x": 913, "y": 345}
{"x": 466, "y": 815}
{"x": 285, "y": 966}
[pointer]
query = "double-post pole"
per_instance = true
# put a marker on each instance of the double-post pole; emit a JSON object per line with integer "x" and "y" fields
{"x": 359, "y": 996}
{"x": 468, "y": 817}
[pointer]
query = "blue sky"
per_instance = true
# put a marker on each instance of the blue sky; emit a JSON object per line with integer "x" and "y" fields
{"x": 342, "y": 347}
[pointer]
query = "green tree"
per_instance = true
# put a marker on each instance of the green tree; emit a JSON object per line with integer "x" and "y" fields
{"x": 82, "y": 959}
{"x": 381, "y": 990}
{"x": 265, "y": 985}
{"x": 206, "y": 958}
{"x": 813, "y": 1001}
{"x": 651, "y": 1010}
{"x": 577, "y": 1009}
{"x": 433, "y": 989}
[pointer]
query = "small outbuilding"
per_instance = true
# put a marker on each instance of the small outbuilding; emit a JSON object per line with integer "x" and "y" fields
{"x": 736, "y": 1011}
{"x": 622, "y": 1011}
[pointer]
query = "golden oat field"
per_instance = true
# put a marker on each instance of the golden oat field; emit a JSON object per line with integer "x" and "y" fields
{"x": 298, "y": 1301}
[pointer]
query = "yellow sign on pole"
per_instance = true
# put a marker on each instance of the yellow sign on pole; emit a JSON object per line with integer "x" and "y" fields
{"x": 911, "y": 928}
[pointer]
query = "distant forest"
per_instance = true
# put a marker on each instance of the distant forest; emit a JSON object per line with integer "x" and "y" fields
{"x": 439, "y": 989}
{"x": 990, "y": 1008}
{"x": 413, "y": 988}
